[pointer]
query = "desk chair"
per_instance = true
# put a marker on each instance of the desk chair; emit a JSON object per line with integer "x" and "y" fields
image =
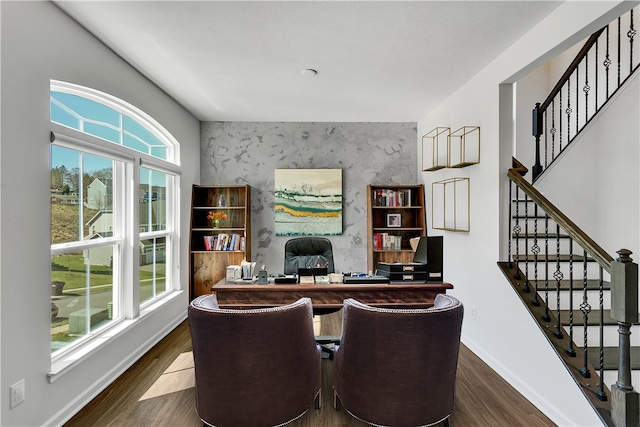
{"x": 397, "y": 367}
{"x": 307, "y": 252}
{"x": 258, "y": 367}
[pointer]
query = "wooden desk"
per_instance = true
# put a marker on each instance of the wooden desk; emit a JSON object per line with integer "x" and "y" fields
{"x": 328, "y": 296}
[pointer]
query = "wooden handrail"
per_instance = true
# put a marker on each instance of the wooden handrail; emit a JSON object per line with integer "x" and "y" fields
{"x": 592, "y": 248}
{"x": 572, "y": 67}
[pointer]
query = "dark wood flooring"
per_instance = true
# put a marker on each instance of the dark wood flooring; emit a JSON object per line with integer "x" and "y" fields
{"x": 483, "y": 398}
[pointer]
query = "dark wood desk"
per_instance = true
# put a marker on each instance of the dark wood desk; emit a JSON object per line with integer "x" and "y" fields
{"x": 328, "y": 296}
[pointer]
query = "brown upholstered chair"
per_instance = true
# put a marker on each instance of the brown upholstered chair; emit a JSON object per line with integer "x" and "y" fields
{"x": 397, "y": 367}
{"x": 257, "y": 367}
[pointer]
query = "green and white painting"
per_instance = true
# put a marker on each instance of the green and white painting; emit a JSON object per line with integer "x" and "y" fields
{"x": 308, "y": 202}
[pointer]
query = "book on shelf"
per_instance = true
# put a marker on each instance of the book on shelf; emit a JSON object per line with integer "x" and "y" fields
{"x": 386, "y": 242}
{"x": 392, "y": 198}
{"x": 224, "y": 242}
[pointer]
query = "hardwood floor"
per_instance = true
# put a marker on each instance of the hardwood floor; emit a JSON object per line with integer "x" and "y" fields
{"x": 158, "y": 390}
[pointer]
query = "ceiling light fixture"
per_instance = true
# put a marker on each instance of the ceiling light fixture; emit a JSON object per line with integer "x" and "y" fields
{"x": 309, "y": 72}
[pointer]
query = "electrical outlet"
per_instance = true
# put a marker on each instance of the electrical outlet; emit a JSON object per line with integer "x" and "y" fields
{"x": 16, "y": 392}
{"x": 473, "y": 312}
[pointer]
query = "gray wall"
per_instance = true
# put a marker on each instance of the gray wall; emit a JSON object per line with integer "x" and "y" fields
{"x": 367, "y": 153}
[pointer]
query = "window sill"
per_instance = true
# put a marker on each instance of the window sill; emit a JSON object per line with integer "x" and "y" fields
{"x": 100, "y": 341}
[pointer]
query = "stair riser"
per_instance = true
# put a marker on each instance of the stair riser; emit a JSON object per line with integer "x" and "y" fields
{"x": 609, "y": 335}
{"x": 548, "y": 271}
{"x": 525, "y": 246}
{"x": 593, "y": 298}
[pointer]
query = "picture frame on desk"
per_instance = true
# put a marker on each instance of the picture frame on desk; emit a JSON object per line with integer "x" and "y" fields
{"x": 394, "y": 220}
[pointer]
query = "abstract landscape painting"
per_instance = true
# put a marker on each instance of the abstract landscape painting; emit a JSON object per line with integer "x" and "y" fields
{"x": 308, "y": 202}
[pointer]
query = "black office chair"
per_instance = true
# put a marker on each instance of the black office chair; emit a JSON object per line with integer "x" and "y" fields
{"x": 309, "y": 252}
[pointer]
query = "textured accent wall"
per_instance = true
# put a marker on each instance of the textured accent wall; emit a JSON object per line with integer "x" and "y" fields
{"x": 368, "y": 153}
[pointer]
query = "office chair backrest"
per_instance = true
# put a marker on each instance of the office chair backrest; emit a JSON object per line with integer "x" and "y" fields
{"x": 307, "y": 252}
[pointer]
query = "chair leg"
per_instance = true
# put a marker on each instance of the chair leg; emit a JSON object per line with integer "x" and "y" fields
{"x": 337, "y": 405}
{"x": 317, "y": 401}
{"x": 445, "y": 422}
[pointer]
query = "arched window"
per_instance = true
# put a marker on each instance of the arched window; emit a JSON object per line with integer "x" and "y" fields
{"x": 114, "y": 246}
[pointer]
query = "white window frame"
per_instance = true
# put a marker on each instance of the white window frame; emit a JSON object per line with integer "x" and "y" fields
{"x": 127, "y": 235}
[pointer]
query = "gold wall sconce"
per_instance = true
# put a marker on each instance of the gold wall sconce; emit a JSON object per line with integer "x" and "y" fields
{"x": 450, "y": 204}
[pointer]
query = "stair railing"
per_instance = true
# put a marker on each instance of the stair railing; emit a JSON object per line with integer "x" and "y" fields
{"x": 623, "y": 408}
{"x": 603, "y": 65}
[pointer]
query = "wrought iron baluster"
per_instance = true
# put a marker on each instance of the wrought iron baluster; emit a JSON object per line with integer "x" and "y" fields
{"x": 577, "y": 103}
{"x": 516, "y": 231}
{"x": 535, "y": 249}
{"x": 607, "y": 64}
{"x": 585, "y": 308}
{"x": 571, "y": 351}
{"x": 586, "y": 87}
{"x": 568, "y": 112}
{"x": 631, "y": 34}
{"x": 510, "y": 262}
{"x": 595, "y": 65}
{"x": 553, "y": 130}
{"x": 546, "y": 141}
{"x": 619, "y": 55}
{"x": 559, "y": 127}
{"x": 601, "y": 394}
{"x": 525, "y": 286}
{"x": 546, "y": 317}
{"x": 558, "y": 276}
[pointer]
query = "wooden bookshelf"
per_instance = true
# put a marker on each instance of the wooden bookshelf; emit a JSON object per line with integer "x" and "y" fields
{"x": 395, "y": 214}
{"x": 208, "y": 261}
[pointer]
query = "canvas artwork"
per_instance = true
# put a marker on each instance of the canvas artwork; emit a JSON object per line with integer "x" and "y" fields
{"x": 308, "y": 202}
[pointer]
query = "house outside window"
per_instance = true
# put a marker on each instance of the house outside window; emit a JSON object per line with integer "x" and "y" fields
{"x": 114, "y": 198}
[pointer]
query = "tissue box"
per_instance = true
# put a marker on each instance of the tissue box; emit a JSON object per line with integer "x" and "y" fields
{"x": 234, "y": 272}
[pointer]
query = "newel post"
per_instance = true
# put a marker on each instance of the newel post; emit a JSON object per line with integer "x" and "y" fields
{"x": 536, "y": 131}
{"x": 625, "y": 401}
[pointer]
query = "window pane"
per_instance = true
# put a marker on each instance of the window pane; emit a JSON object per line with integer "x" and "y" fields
{"x": 152, "y": 268}
{"x": 65, "y": 203}
{"x": 98, "y": 193}
{"x": 102, "y": 131}
{"x": 88, "y": 109}
{"x": 139, "y": 138}
{"x": 81, "y": 294}
{"x": 153, "y": 200}
{"x": 64, "y": 117}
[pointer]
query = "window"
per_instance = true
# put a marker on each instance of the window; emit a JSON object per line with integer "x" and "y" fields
{"x": 112, "y": 243}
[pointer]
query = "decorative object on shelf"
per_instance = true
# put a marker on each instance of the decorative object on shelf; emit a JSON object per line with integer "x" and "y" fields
{"x": 464, "y": 147}
{"x": 215, "y": 217}
{"x": 394, "y": 220}
{"x": 222, "y": 201}
{"x": 308, "y": 202}
{"x": 450, "y": 204}
{"x": 435, "y": 149}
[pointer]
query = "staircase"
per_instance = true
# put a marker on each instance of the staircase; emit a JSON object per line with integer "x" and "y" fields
{"x": 583, "y": 300}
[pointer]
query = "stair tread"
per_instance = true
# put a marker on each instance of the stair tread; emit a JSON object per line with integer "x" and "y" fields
{"x": 610, "y": 357}
{"x": 592, "y": 284}
{"x": 593, "y": 320}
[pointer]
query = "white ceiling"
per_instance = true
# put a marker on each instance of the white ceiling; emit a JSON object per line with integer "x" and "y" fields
{"x": 377, "y": 61}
